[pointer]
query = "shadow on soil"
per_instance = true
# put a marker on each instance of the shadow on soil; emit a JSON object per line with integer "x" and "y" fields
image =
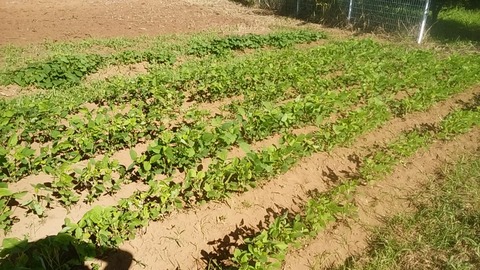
{"x": 61, "y": 252}
{"x": 220, "y": 257}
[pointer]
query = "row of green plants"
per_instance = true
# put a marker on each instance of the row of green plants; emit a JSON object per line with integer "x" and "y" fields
{"x": 164, "y": 86}
{"x": 225, "y": 176}
{"x": 63, "y": 71}
{"x": 106, "y": 183}
{"x": 81, "y": 137}
{"x": 181, "y": 149}
{"x": 103, "y": 183}
{"x": 123, "y": 125}
{"x": 383, "y": 160}
{"x": 66, "y": 70}
{"x": 267, "y": 250}
{"x": 34, "y": 114}
{"x": 187, "y": 146}
{"x": 40, "y": 119}
{"x": 213, "y": 79}
{"x": 222, "y": 46}
{"x": 112, "y": 225}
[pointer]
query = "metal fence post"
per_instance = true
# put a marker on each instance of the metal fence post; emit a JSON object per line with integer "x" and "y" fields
{"x": 424, "y": 22}
{"x": 298, "y": 8}
{"x": 350, "y": 6}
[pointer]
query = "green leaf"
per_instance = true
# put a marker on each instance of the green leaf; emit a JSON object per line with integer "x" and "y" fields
{"x": 147, "y": 166}
{"x": 18, "y": 195}
{"x": 9, "y": 243}
{"x": 245, "y": 147}
{"x": 5, "y": 192}
{"x": 155, "y": 158}
{"x": 13, "y": 140}
{"x": 281, "y": 246}
{"x": 95, "y": 214}
{"x": 133, "y": 154}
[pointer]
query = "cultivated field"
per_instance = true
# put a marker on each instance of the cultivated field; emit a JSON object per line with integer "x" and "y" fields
{"x": 244, "y": 147}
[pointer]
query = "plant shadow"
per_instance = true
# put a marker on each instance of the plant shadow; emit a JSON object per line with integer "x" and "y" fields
{"x": 60, "y": 252}
{"x": 220, "y": 257}
{"x": 448, "y": 30}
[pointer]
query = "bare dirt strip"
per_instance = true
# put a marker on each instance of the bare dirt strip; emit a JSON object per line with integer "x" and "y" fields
{"x": 26, "y": 21}
{"x": 187, "y": 239}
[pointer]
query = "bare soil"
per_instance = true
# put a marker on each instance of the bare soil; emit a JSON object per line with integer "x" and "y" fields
{"x": 13, "y": 91}
{"x": 24, "y": 21}
{"x": 128, "y": 71}
{"x": 27, "y": 22}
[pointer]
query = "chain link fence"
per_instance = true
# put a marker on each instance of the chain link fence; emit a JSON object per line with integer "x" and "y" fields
{"x": 408, "y": 16}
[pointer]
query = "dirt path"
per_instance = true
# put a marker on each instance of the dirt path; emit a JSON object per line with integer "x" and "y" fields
{"x": 26, "y": 21}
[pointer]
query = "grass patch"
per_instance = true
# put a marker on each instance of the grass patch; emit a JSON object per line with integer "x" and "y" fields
{"x": 443, "y": 234}
{"x": 457, "y": 25}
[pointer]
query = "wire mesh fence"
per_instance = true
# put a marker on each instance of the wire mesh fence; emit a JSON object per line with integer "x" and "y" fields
{"x": 389, "y": 15}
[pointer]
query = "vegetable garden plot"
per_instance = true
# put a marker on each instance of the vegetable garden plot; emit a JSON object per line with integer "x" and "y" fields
{"x": 360, "y": 88}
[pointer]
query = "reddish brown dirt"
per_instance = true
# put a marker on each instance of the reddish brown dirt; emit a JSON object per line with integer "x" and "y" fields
{"x": 24, "y": 21}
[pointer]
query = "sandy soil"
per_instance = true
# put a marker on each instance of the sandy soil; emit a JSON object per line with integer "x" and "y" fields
{"x": 128, "y": 71}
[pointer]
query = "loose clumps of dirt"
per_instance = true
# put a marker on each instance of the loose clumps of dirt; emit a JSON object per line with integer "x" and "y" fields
{"x": 13, "y": 90}
{"x": 128, "y": 71}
